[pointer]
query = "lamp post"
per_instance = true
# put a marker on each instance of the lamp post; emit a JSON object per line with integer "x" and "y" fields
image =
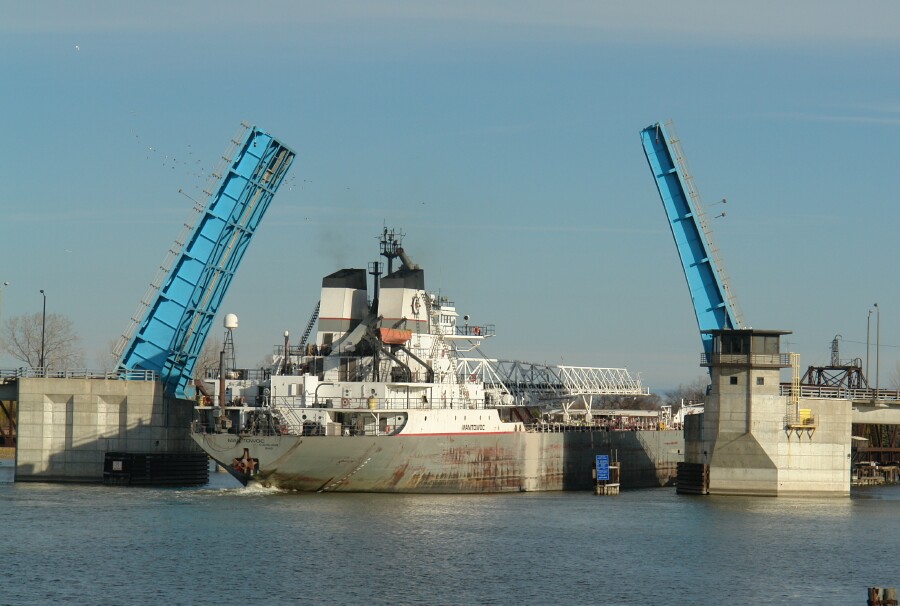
{"x": 43, "y": 327}
{"x": 868, "y": 328}
{"x": 877, "y": 347}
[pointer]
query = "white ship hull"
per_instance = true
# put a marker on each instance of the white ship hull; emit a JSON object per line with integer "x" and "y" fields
{"x": 461, "y": 463}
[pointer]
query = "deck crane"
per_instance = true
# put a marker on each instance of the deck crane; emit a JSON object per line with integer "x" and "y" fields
{"x": 169, "y": 328}
{"x": 714, "y": 303}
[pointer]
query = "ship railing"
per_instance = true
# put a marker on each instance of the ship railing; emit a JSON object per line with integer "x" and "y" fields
{"x": 480, "y": 330}
{"x": 350, "y": 430}
{"x": 398, "y": 403}
{"x": 582, "y": 427}
{"x": 203, "y": 425}
{"x": 347, "y": 430}
{"x": 200, "y": 426}
{"x": 240, "y": 374}
{"x": 287, "y": 408}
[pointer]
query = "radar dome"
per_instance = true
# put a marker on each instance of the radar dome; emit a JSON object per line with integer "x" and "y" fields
{"x": 231, "y": 321}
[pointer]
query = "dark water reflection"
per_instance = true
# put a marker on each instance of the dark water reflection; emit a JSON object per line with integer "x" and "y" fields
{"x": 225, "y": 545}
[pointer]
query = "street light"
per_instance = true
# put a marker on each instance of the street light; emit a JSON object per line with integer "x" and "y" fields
{"x": 877, "y": 347}
{"x": 868, "y": 327}
{"x": 287, "y": 336}
{"x": 43, "y": 326}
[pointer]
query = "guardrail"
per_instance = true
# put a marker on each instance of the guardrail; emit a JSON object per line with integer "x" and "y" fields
{"x": 803, "y": 422}
{"x": 481, "y": 330}
{"x": 48, "y": 373}
{"x": 842, "y": 393}
{"x": 778, "y": 360}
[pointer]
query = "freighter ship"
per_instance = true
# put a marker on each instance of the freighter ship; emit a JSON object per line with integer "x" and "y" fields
{"x": 389, "y": 398}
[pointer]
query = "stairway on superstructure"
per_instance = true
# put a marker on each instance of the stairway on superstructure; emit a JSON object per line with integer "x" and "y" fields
{"x": 309, "y": 325}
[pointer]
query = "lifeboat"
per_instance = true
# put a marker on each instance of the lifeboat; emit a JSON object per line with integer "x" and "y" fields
{"x": 394, "y": 336}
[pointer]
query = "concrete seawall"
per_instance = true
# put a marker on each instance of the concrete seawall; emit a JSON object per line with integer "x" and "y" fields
{"x": 66, "y": 426}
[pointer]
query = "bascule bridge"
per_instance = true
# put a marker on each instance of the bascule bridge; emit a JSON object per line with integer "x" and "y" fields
{"x": 757, "y": 435}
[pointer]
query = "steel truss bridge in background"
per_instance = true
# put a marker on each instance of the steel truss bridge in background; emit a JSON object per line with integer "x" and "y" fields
{"x": 564, "y": 386}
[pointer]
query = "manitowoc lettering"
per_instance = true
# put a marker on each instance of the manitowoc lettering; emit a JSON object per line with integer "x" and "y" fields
{"x": 377, "y": 393}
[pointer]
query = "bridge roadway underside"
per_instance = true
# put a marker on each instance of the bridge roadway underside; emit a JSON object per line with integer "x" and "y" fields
{"x": 882, "y": 412}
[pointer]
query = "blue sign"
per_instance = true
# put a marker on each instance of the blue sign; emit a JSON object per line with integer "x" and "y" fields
{"x": 603, "y": 467}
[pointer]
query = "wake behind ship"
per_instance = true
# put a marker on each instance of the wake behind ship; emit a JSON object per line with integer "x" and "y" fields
{"x": 394, "y": 395}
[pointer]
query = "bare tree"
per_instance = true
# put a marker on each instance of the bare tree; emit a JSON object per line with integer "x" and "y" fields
{"x": 695, "y": 391}
{"x": 106, "y": 357}
{"x": 22, "y": 340}
{"x": 208, "y": 360}
{"x": 651, "y": 402}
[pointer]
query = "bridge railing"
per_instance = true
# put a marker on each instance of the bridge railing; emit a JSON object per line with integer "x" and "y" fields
{"x": 744, "y": 359}
{"x": 842, "y": 393}
{"x": 81, "y": 373}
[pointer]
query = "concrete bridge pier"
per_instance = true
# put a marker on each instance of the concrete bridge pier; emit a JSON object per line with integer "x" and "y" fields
{"x": 751, "y": 440}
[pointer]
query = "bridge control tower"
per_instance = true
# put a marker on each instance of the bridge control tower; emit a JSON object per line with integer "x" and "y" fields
{"x": 751, "y": 439}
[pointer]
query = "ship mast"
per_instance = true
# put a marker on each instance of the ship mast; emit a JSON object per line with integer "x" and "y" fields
{"x": 391, "y": 241}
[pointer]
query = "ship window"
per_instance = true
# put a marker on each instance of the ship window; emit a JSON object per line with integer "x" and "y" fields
{"x": 733, "y": 380}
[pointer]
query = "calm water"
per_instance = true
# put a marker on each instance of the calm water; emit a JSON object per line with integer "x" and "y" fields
{"x": 227, "y": 545}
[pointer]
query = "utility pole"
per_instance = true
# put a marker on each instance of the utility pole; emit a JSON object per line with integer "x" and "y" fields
{"x": 868, "y": 327}
{"x": 43, "y": 328}
{"x": 877, "y": 347}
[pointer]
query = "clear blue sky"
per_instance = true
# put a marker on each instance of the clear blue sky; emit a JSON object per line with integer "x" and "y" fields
{"x": 501, "y": 136}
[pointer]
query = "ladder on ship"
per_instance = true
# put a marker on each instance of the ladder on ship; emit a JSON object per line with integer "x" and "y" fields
{"x": 440, "y": 345}
{"x": 309, "y": 325}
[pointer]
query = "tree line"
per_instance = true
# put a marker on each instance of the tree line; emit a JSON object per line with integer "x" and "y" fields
{"x": 24, "y": 337}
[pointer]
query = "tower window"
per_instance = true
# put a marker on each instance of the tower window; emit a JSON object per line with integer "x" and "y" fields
{"x": 760, "y": 380}
{"x": 733, "y": 380}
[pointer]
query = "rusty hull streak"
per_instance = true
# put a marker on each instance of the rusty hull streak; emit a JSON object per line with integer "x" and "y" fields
{"x": 397, "y": 476}
{"x": 476, "y": 470}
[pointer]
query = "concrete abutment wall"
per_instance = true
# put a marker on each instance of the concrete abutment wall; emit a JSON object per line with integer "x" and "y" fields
{"x": 67, "y": 425}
